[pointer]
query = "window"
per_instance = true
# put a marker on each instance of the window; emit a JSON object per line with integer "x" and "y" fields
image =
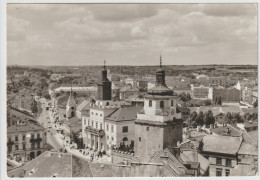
{"x": 16, "y": 147}
{"x": 88, "y": 123}
{"x": 107, "y": 127}
{"x": 172, "y": 103}
{"x": 16, "y": 138}
{"x": 38, "y": 145}
{"x": 161, "y": 104}
{"x": 24, "y": 146}
{"x": 112, "y": 138}
{"x": 23, "y": 137}
{"x": 38, "y": 136}
{"x": 147, "y": 128}
{"x": 101, "y": 115}
{"x": 9, "y": 139}
{"x": 96, "y": 114}
{"x": 125, "y": 129}
{"x": 228, "y": 162}
{"x": 32, "y": 146}
{"x": 107, "y": 137}
{"x": 112, "y": 128}
{"x": 219, "y": 161}
{"x": 139, "y": 138}
{"x": 85, "y": 122}
{"x": 92, "y": 113}
{"x": 227, "y": 172}
{"x": 92, "y": 124}
{"x": 9, "y": 148}
{"x": 100, "y": 125}
{"x": 150, "y": 103}
{"x": 96, "y": 125}
{"x": 32, "y": 137}
{"x": 125, "y": 139}
{"x": 107, "y": 103}
{"x": 218, "y": 172}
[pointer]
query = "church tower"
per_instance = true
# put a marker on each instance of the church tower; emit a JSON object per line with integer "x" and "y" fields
{"x": 71, "y": 106}
{"x": 104, "y": 86}
{"x": 158, "y": 126}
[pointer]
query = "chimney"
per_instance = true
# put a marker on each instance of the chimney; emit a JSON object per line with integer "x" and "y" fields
{"x": 195, "y": 156}
{"x": 198, "y": 128}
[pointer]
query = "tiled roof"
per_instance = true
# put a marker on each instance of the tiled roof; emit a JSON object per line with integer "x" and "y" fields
{"x": 25, "y": 128}
{"x": 249, "y": 148}
{"x": 188, "y": 155}
{"x": 124, "y": 113}
{"x": 84, "y": 105}
{"x": 222, "y": 131}
{"x": 74, "y": 121}
{"x": 221, "y": 144}
{"x": 172, "y": 166}
{"x": 47, "y": 165}
{"x": 249, "y": 110}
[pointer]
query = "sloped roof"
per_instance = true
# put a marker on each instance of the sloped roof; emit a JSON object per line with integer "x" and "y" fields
{"x": 249, "y": 148}
{"x": 46, "y": 165}
{"x": 188, "y": 155}
{"x": 74, "y": 121}
{"x": 222, "y": 131}
{"x": 84, "y": 105}
{"x": 249, "y": 110}
{"x": 25, "y": 128}
{"x": 243, "y": 170}
{"x": 71, "y": 101}
{"x": 221, "y": 144}
{"x": 172, "y": 166}
{"x": 124, "y": 113}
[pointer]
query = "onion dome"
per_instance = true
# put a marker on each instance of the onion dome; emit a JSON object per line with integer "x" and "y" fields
{"x": 160, "y": 87}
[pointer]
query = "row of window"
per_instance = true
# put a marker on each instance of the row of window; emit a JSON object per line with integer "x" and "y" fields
{"x": 219, "y": 161}
{"x": 219, "y": 172}
{"x": 24, "y": 137}
{"x": 24, "y": 146}
{"x": 96, "y": 114}
{"x": 161, "y": 103}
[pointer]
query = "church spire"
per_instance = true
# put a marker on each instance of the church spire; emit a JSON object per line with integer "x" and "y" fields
{"x": 160, "y": 61}
{"x": 104, "y": 64}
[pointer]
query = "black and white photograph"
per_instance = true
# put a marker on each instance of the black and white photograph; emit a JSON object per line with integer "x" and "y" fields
{"x": 130, "y": 90}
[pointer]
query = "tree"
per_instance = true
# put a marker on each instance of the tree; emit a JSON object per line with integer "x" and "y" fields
{"x": 34, "y": 107}
{"x": 237, "y": 118}
{"x": 199, "y": 119}
{"x": 254, "y": 116}
{"x": 207, "y": 102}
{"x": 208, "y": 118}
{"x": 192, "y": 119}
{"x": 228, "y": 118}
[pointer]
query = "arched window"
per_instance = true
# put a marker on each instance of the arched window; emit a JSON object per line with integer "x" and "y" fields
{"x": 172, "y": 103}
{"x": 161, "y": 104}
{"x": 150, "y": 103}
{"x": 125, "y": 139}
{"x": 107, "y": 103}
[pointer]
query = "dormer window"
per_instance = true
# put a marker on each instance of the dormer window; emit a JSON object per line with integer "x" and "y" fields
{"x": 161, "y": 104}
{"x": 150, "y": 103}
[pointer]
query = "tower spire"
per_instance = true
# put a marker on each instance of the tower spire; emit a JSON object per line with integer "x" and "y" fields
{"x": 160, "y": 61}
{"x": 104, "y": 64}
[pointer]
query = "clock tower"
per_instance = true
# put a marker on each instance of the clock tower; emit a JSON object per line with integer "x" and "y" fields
{"x": 158, "y": 126}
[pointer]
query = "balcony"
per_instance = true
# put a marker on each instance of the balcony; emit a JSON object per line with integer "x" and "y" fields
{"x": 36, "y": 140}
{"x": 99, "y": 132}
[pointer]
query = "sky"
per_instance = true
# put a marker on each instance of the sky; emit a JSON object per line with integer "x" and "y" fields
{"x": 131, "y": 34}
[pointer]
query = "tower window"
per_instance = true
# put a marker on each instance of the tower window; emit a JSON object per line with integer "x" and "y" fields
{"x": 139, "y": 138}
{"x": 172, "y": 103}
{"x": 147, "y": 128}
{"x": 150, "y": 103}
{"x": 125, "y": 129}
{"x": 161, "y": 104}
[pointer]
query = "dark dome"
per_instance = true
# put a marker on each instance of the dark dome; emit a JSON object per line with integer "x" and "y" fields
{"x": 160, "y": 90}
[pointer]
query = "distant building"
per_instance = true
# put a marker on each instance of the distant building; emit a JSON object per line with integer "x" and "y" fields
{"x": 127, "y": 91}
{"x": 228, "y": 95}
{"x": 201, "y": 92}
{"x": 25, "y": 142}
{"x": 142, "y": 85}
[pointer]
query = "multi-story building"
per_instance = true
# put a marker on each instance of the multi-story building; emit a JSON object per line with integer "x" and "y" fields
{"x": 201, "y": 92}
{"x": 120, "y": 126}
{"x": 93, "y": 126}
{"x": 221, "y": 151}
{"x": 142, "y": 85}
{"x": 227, "y": 95}
{"x": 25, "y": 142}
